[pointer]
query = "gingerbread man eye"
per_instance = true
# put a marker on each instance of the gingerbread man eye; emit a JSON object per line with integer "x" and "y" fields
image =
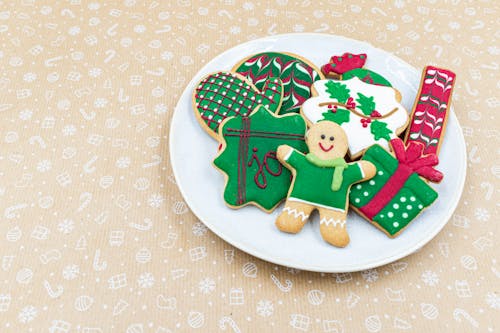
{"x": 331, "y": 138}
{"x": 323, "y": 136}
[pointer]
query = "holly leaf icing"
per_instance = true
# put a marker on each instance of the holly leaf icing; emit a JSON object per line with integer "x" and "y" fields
{"x": 379, "y": 130}
{"x": 366, "y": 104}
{"x": 337, "y": 90}
{"x": 340, "y": 116}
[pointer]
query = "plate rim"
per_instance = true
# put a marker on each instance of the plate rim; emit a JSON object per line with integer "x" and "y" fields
{"x": 280, "y": 261}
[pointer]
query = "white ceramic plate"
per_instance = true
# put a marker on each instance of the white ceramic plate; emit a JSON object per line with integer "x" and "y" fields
{"x": 253, "y": 231}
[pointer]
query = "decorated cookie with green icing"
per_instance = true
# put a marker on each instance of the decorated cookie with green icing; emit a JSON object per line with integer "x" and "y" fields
{"x": 351, "y": 65}
{"x": 224, "y": 94}
{"x": 399, "y": 192}
{"x": 369, "y": 114}
{"x": 367, "y": 76}
{"x": 321, "y": 181}
{"x": 296, "y": 73}
{"x": 248, "y": 158}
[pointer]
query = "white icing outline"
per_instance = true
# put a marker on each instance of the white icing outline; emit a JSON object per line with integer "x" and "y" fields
{"x": 296, "y": 213}
{"x": 332, "y": 221}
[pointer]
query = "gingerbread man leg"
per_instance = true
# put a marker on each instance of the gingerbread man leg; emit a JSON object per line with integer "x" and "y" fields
{"x": 333, "y": 227}
{"x": 294, "y": 216}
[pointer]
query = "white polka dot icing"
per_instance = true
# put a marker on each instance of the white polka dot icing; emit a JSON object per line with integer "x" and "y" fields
{"x": 403, "y": 199}
{"x": 395, "y": 224}
{"x": 405, "y": 215}
{"x": 396, "y": 206}
{"x": 390, "y": 214}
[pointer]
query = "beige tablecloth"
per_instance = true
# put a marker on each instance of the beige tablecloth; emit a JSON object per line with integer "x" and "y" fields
{"x": 95, "y": 236}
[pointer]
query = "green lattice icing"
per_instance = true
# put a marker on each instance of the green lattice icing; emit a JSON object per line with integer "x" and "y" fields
{"x": 248, "y": 157}
{"x": 222, "y": 95}
{"x": 367, "y": 76}
{"x": 408, "y": 202}
{"x": 297, "y": 76}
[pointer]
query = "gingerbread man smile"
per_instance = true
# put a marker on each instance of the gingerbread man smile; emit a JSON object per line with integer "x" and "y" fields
{"x": 326, "y": 150}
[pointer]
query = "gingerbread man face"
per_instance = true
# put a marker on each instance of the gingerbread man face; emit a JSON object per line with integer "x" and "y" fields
{"x": 327, "y": 140}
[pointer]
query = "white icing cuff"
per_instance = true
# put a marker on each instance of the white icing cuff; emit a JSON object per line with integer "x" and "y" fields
{"x": 316, "y": 204}
{"x": 361, "y": 170}
{"x": 333, "y": 222}
{"x": 296, "y": 213}
{"x": 287, "y": 156}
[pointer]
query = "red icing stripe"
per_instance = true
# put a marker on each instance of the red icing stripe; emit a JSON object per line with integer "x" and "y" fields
{"x": 387, "y": 192}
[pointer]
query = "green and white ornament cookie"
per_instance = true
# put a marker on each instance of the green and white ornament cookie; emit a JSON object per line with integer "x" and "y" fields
{"x": 296, "y": 73}
{"x": 369, "y": 114}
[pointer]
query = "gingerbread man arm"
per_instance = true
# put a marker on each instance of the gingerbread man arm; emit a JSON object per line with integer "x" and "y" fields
{"x": 282, "y": 152}
{"x": 368, "y": 168}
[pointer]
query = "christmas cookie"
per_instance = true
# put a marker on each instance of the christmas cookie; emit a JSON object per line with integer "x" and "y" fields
{"x": 296, "y": 73}
{"x": 321, "y": 180}
{"x": 431, "y": 109}
{"x": 351, "y": 65}
{"x": 222, "y": 95}
{"x": 248, "y": 158}
{"x": 368, "y": 113}
{"x": 398, "y": 193}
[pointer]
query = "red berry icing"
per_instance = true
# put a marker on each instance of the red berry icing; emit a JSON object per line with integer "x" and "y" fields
{"x": 350, "y": 103}
{"x": 375, "y": 114}
{"x": 344, "y": 63}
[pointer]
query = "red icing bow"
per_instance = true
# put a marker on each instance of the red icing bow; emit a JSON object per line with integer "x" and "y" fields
{"x": 412, "y": 157}
{"x": 344, "y": 63}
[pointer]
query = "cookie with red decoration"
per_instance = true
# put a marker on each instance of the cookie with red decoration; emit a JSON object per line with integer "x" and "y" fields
{"x": 431, "y": 108}
{"x": 351, "y": 65}
{"x": 296, "y": 73}
{"x": 247, "y": 157}
{"x": 224, "y": 94}
{"x": 321, "y": 181}
{"x": 369, "y": 114}
{"x": 399, "y": 192}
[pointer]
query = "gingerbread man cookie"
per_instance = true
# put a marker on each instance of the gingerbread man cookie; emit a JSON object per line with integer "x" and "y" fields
{"x": 321, "y": 180}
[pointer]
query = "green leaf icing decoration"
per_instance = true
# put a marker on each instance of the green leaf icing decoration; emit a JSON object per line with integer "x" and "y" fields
{"x": 340, "y": 116}
{"x": 366, "y": 104}
{"x": 379, "y": 130}
{"x": 338, "y": 91}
